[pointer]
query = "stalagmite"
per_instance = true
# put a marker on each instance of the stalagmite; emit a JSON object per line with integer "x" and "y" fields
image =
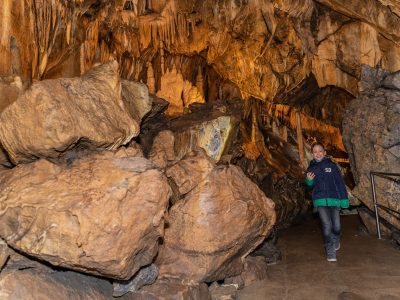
{"x": 151, "y": 82}
{"x": 200, "y": 82}
{"x": 15, "y": 57}
{"x": 283, "y": 133}
{"x": 82, "y": 59}
{"x": 162, "y": 58}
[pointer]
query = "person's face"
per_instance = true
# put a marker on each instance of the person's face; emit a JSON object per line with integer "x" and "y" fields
{"x": 318, "y": 153}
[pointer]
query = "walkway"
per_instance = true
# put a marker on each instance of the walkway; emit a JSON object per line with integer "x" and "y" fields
{"x": 367, "y": 268}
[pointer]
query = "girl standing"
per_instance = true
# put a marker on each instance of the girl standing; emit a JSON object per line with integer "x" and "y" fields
{"x": 329, "y": 195}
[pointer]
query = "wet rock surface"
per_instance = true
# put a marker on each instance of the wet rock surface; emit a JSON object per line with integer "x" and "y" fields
{"x": 53, "y": 115}
{"x": 371, "y": 133}
{"x": 101, "y": 215}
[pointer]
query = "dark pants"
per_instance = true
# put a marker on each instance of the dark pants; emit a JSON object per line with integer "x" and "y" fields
{"x": 330, "y": 220}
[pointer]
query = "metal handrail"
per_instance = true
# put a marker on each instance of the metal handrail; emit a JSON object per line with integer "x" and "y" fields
{"x": 376, "y": 205}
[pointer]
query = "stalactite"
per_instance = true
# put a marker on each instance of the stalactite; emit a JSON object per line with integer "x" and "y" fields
{"x": 331, "y": 135}
{"x": 169, "y": 27}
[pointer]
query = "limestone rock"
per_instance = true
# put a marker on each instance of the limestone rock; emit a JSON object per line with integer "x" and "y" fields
{"x": 162, "y": 152}
{"x": 101, "y": 215}
{"x": 213, "y": 133}
{"x": 255, "y": 269}
{"x": 32, "y": 281}
{"x": 145, "y": 276}
{"x": 179, "y": 92}
{"x": 4, "y": 253}
{"x": 368, "y": 219}
{"x": 53, "y": 115}
{"x": 371, "y": 133}
{"x": 136, "y": 99}
{"x": 223, "y": 292}
{"x": 164, "y": 290}
{"x": 10, "y": 89}
{"x": 215, "y": 225}
{"x": 392, "y": 81}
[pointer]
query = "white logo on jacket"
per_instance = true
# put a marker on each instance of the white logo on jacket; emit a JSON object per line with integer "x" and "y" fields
{"x": 328, "y": 170}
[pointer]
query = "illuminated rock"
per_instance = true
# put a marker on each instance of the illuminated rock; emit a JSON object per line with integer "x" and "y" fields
{"x": 103, "y": 214}
{"x": 53, "y": 115}
{"x": 218, "y": 220}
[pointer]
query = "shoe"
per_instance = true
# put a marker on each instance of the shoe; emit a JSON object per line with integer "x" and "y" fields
{"x": 337, "y": 246}
{"x": 331, "y": 253}
{"x": 336, "y": 242}
{"x": 331, "y": 259}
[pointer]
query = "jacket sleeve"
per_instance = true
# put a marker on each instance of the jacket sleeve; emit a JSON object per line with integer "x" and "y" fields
{"x": 309, "y": 182}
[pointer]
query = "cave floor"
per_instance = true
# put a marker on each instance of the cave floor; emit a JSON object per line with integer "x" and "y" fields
{"x": 367, "y": 268}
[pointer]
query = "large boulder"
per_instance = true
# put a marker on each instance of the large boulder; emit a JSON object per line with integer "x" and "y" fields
{"x": 102, "y": 214}
{"x": 215, "y": 223}
{"x": 371, "y": 133}
{"x": 53, "y": 115}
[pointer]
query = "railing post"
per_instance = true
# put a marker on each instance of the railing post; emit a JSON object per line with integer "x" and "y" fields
{"x": 378, "y": 229}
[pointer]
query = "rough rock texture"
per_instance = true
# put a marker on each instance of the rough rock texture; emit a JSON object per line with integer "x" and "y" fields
{"x": 53, "y": 115}
{"x": 10, "y": 89}
{"x": 145, "y": 276}
{"x": 371, "y": 133}
{"x": 29, "y": 280}
{"x": 392, "y": 81}
{"x": 219, "y": 221}
{"x": 162, "y": 152}
{"x": 170, "y": 291}
{"x": 369, "y": 221}
{"x": 4, "y": 254}
{"x": 223, "y": 292}
{"x": 102, "y": 214}
{"x": 255, "y": 269}
{"x": 212, "y": 131}
{"x": 136, "y": 99}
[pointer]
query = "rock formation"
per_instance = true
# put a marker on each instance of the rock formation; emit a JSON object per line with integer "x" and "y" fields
{"x": 101, "y": 215}
{"x": 371, "y": 132}
{"x": 217, "y": 222}
{"x": 53, "y": 115}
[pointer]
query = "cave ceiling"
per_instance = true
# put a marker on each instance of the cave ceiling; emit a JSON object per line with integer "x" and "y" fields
{"x": 267, "y": 49}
